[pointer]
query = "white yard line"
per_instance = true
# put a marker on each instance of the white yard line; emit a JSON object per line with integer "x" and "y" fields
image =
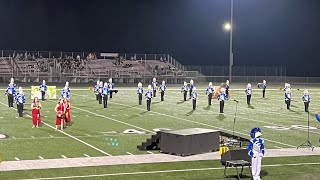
{"x": 163, "y": 171}
{"x": 86, "y": 155}
{"x": 79, "y": 140}
{"x": 32, "y": 137}
{"x": 40, "y": 157}
{"x": 278, "y": 147}
{"x": 51, "y": 136}
{"x": 17, "y": 159}
{"x": 150, "y": 152}
{"x": 129, "y": 153}
{"x": 63, "y": 156}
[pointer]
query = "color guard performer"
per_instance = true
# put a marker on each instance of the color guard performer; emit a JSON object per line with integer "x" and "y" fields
{"x": 287, "y": 97}
{"x": 306, "y": 100}
{"x": 105, "y": 93}
{"x": 209, "y": 92}
{"x": 140, "y": 92}
{"x": 110, "y": 87}
{"x": 35, "y": 110}
{"x": 10, "y": 92}
{"x": 185, "y": 90}
{"x": 162, "y": 89}
{"x": 96, "y": 90}
{"x": 256, "y": 152}
{"x": 191, "y": 88}
{"x": 222, "y": 96}
{"x": 248, "y": 92}
{"x": 100, "y": 89}
{"x": 154, "y": 86}
{"x": 43, "y": 89}
{"x": 60, "y": 113}
{"x": 227, "y": 88}
{"x": 67, "y": 106}
{"x": 20, "y": 101}
{"x": 148, "y": 96}
{"x": 194, "y": 96}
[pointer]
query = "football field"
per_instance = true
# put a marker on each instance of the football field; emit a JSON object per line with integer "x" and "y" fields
{"x": 98, "y": 131}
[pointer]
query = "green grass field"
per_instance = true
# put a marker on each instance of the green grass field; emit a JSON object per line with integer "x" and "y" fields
{"x": 93, "y": 126}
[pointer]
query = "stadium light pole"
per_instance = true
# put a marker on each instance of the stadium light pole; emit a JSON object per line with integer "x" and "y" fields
{"x": 229, "y": 27}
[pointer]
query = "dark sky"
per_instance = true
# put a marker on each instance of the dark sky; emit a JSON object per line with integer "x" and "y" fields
{"x": 266, "y": 32}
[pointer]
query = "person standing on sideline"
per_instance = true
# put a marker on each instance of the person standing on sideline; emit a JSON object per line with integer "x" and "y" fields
{"x": 140, "y": 92}
{"x": 191, "y": 85}
{"x": 222, "y": 96}
{"x": 248, "y": 92}
{"x": 194, "y": 97}
{"x": 264, "y": 87}
{"x": 287, "y": 97}
{"x": 105, "y": 93}
{"x": 256, "y": 152}
{"x": 20, "y": 101}
{"x": 148, "y": 96}
{"x": 43, "y": 89}
{"x": 185, "y": 90}
{"x": 10, "y": 92}
{"x": 162, "y": 89}
{"x": 306, "y": 100}
{"x": 154, "y": 86}
{"x": 209, "y": 92}
{"x": 35, "y": 110}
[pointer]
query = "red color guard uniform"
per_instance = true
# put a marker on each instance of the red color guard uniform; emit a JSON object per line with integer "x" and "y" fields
{"x": 68, "y": 116}
{"x": 35, "y": 115}
{"x": 60, "y": 111}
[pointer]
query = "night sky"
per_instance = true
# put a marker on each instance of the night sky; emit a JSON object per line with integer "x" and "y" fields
{"x": 266, "y": 32}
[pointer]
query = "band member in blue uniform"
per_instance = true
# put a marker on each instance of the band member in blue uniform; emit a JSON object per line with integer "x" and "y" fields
{"x": 227, "y": 88}
{"x": 140, "y": 92}
{"x": 287, "y": 97}
{"x": 105, "y": 93}
{"x": 66, "y": 91}
{"x": 20, "y": 101}
{"x": 191, "y": 85}
{"x": 264, "y": 87}
{"x": 154, "y": 86}
{"x": 209, "y": 92}
{"x": 248, "y": 92}
{"x": 185, "y": 90}
{"x": 148, "y": 96}
{"x": 222, "y": 96}
{"x": 306, "y": 100}
{"x": 162, "y": 89}
{"x": 111, "y": 87}
{"x": 43, "y": 89}
{"x": 286, "y": 86}
{"x": 95, "y": 90}
{"x": 100, "y": 89}
{"x": 256, "y": 151}
{"x": 194, "y": 96}
{"x": 10, "y": 92}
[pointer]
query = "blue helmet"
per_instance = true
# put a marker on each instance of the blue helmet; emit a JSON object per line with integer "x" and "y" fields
{"x": 253, "y": 132}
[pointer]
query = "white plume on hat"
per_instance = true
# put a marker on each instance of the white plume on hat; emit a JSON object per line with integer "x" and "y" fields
{"x": 98, "y": 82}
{"x": 249, "y": 85}
{"x": 110, "y": 80}
{"x": 191, "y": 82}
{"x": 20, "y": 90}
{"x": 264, "y": 82}
{"x": 67, "y": 83}
{"x": 185, "y": 83}
{"x": 154, "y": 79}
{"x": 149, "y": 87}
{"x": 139, "y": 84}
{"x": 101, "y": 83}
{"x": 227, "y": 82}
{"x": 12, "y": 80}
{"x": 105, "y": 84}
{"x": 210, "y": 83}
{"x": 306, "y": 92}
{"x": 43, "y": 81}
{"x": 163, "y": 82}
{"x": 258, "y": 134}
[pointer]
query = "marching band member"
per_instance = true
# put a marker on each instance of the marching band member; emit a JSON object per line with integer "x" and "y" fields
{"x": 227, "y": 88}
{"x": 185, "y": 90}
{"x": 264, "y": 87}
{"x": 60, "y": 113}
{"x": 110, "y": 87}
{"x": 43, "y": 89}
{"x": 100, "y": 89}
{"x": 105, "y": 93}
{"x": 35, "y": 107}
{"x": 248, "y": 92}
{"x": 148, "y": 96}
{"x": 286, "y": 86}
{"x": 306, "y": 100}
{"x": 20, "y": 100}
{"x": 154, "y": 86}
{"x": 96, "y": 89}
{"x": 140, "y": 92}
{"x": 67, "y": 106}
{"x": 10, "y": 92}
{"x": 222, "y": 96}
{"x": 287, "y": 97}
{"x": 209, "y": 92}
{"x": 66, "y": 91}
{"x": 162, "y": 89}
{"x": 256, "y": 152}
{"x": 194, "y": 96}
{"x": 191, "y": 88}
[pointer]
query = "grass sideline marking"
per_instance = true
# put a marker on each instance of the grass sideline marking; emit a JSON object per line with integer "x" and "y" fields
{"x": 129, "y": 153}
{"x": 86, "y": 155}
{"x": 63, "y": 156}
{"x": 163, "y": 171}
{"x": 79, "y": 140}
{"x": 203, "y": 124}
{"x": 17, "y": 159}
{"x": 40, "y": 157}
{"x": 150, "y": 152}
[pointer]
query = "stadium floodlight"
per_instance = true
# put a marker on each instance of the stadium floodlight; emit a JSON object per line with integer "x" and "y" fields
{"x": 227, "y": 26}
